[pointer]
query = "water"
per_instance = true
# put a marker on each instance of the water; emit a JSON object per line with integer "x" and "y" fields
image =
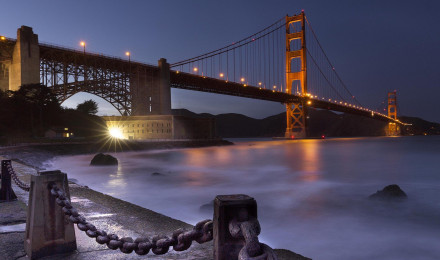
{"x": 311, "y": 194}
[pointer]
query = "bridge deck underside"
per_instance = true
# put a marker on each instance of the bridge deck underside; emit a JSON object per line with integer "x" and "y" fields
{"x": 211, "y": 85}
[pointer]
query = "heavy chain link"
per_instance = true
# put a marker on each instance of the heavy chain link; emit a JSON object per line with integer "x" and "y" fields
{"x": 17, "y": 181}
{"x": 180, "y": 240}
{"x": 249, "y": 231}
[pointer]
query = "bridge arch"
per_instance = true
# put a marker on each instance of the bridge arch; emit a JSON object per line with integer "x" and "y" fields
{"x": 103, "y": 105}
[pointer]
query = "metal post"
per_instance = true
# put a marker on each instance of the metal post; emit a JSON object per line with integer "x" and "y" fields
{"x": 6, "y": 191}
{"x": 227, "y": 208}
{"x": 48, "y": 232}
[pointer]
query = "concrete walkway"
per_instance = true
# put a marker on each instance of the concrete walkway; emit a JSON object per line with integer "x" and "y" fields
{"x": 106, "y": 213}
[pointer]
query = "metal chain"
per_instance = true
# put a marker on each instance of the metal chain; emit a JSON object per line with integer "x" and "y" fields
{"x": 249, "y": 230}
{"x": 17, "y": 181}
{"x": 180, "y": 240}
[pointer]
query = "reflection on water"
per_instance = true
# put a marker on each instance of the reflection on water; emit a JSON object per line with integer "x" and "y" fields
{"x": 311, "y": 194}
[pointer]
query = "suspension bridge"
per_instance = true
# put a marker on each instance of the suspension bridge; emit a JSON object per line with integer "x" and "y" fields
{"x": 284, "y": 62}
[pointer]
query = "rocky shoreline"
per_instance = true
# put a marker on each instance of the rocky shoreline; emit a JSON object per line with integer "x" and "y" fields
{"x": 34, "y": 155}
{"x": 114, "y": 214}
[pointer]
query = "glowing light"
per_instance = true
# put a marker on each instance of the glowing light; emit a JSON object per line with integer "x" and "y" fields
{"x": 222, "y": 75}
{"x": 309, "y": 102}
{"x": 2, "y": 38}
{"x": 177, "y": 72}
{"x": 195, "y": 69}
{"x": 83, "y": 44}
{"x": 274, "y": 87}
{"x": 116, "y": 133}
{"x": 127, "y": 53}
{"x": 259, "y": 83}
{"x": 322, "y": 136}
{"x": 242, "y": 79}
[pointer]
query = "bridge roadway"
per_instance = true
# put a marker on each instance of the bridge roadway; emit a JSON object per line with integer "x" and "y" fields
{"x": 189, "y": 81}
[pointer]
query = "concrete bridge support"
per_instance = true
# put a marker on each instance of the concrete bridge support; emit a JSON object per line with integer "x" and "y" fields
{"x": 151, "y": 90}
{"x": 24, "y": 67}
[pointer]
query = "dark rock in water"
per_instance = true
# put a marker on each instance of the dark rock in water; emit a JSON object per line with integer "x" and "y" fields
{"x": 103, "y": 159}
{"x": 208, "y": 206}
{"x": 390, "y": 192}
{"x": 157, "y": 174}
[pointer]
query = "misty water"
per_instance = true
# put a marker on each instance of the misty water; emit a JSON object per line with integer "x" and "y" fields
{"x": 311, "y": 194}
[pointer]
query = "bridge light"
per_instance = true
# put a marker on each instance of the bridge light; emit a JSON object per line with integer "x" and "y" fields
{"x": 83, "y": 44}
{"x": 242, "y": 79}
{"x": 274, "y": 87}
{"x": 2, "y": 38}
{"x": 127, "y": 53}
{"x": 309, "y": 102}
{"x": 177, "y": 72}
{"x": 195, "y": 69}
{"x": 221, "y": 75}
{"x": 259, "y": 83}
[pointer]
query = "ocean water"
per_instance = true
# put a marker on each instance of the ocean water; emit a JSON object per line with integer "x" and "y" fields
{"x": 311, "y": 194}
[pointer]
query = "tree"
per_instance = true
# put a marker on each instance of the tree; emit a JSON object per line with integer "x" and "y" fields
{"x": 89, "y": 107}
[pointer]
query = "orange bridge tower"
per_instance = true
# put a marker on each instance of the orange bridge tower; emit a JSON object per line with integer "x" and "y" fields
{"x": 393, "y": 129}
{"x": 296, "y": 80}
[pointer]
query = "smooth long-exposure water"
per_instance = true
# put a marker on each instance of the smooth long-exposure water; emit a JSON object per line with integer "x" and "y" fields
{"x": 311, "y": 194}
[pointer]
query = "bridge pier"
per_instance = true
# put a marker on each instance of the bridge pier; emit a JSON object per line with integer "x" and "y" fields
{"x": 296, "y": 114}
{"x": 151, "y": 90}
{"x": 24, "y": 66}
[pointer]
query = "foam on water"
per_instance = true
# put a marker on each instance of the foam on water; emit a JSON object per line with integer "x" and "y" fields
{"x": 311, "y": 194}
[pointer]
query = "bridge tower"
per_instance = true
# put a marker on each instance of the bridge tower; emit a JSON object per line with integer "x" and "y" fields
{"x": 393, "y": 129}
{"x": 296, "y": 81}
{"x": 24, "y": 67}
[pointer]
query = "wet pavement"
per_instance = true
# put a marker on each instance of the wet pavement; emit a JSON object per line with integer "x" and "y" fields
{"x": 106, "y": 213}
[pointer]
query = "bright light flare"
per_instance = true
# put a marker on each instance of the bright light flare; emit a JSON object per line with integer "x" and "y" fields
{"x": 83, "y": 44}
{"x": 195, "y": 69}
{"x": 127, "y": 53}
{"x": 222, "y": 75}
{"x": 116, "y": 133}
{"x": 2, "y": 38}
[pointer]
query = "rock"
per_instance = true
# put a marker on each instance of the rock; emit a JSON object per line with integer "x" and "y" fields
{"x": 103, "y": 159}
{"x": 390, "y": 192}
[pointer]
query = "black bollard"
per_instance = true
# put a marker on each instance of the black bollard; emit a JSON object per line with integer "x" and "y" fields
{"x": 6, "y": 191}
{"x": 226, "y": 208}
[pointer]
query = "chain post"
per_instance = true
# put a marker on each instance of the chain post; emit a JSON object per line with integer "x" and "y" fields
{"x": 48, "y": 232}
{"x": 226, "y": 209}
{"x": 6, "y": 191}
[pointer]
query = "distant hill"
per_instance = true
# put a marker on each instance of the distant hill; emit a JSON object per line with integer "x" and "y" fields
{"x": 320, "y": 122}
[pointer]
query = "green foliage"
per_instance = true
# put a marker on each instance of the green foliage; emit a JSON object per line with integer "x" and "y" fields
{"x": 28, "y": 111}
{"x": 88, "y": 107}
{"x": 33, "y": 109}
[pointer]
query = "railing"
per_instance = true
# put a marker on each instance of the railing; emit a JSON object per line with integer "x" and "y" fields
{"x": 235, "y": 227}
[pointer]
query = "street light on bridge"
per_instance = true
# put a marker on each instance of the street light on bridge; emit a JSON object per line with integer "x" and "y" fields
{"x": 2, "y": 38}
{"x": 128, "y": 54}
{"x": 83, "y": 44}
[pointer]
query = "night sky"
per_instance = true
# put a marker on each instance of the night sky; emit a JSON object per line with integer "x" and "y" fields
{"x": 376, "y": 46}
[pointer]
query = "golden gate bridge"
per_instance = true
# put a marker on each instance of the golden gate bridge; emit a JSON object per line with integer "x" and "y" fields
{"x": 284, "y": 62}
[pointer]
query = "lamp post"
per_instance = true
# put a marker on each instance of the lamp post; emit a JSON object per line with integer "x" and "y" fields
{"x": 128, "y": 54}
{"x": 83, "y": 44}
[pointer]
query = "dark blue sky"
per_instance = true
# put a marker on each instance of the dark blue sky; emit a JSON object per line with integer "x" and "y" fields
{"x": 376, "y": 46}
